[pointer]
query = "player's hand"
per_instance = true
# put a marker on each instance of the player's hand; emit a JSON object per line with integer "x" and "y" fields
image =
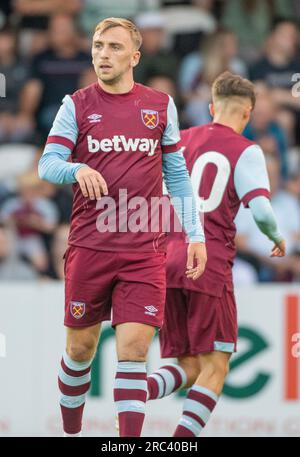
{"x": 279, "y": 249}
{"x": 197, "y": 252}
{"x": 92, "y": 183}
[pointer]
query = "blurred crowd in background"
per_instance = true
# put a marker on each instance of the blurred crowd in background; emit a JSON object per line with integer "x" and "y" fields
{"x": 45, "y": 54}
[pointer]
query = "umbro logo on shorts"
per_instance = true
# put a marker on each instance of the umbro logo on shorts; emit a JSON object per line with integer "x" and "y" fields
{"x": 151, "y": 310}
{"x": 77, "y": 309}
{"x": 94, "y": 118}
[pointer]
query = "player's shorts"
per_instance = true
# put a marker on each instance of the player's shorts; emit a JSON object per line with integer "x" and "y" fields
{"x": 197, "y": 323}
{"x": 118, "y": 286}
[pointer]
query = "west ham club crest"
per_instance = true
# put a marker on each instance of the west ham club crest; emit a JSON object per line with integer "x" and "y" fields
{"x": 149, "y": 118}
{"x": 77, "y": 309}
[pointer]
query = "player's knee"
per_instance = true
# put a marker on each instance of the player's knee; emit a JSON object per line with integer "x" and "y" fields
{"x": 192, "y": 370}
{"x": 81, "y": 352}
{"x": 134, "y": 350}
{"x": 215, "y": 370}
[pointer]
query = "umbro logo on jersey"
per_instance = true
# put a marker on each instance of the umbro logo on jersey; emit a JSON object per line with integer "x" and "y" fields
{"x": 94, "y": 118}
{"x": 149, "y": 118}
{"x": 151, "y": 310}
{"x": 119, "y": 143}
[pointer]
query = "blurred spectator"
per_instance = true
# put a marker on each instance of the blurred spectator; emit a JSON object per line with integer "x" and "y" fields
{"x": 293, "y": 184}
{"x": 34, "y": 14}
{"x": 192, "y": 65}
{"x": 189, "y": 23}
{"x": 295, "y": 263}
{"x": 164, "y": 84}
{"x": 5, "y": 11}
{"x": 244, "y": 274}
{"x": 280, "y": 60}
{"x": 296, "y": 9}
{"x": 55, "y": 73}
{"x": 155, "y": 60}
{"x": 95, "y": 10}
{"x": 58, "y": 249}
{"x": 263, "y": 124}
{"x": 11, "y": 266}
{"x": 251, "y": 242}
{"x": 13, "y": 125}
{"x": 214, "y": 62}
{"x": 32, "y": 17}
{"x": 279, "y": 63}
{"x": 31, "y": 216}
{"x": 251, "y": 20}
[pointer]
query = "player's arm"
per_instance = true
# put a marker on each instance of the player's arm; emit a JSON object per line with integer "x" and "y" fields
{"x": 53, "y": 165}
{"x": 264, "y": 217}
{"x": 253, "y": 188}
{"x": 180, "y": 189}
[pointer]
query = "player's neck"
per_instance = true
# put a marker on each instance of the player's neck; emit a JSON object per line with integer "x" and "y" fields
{"x": 232, "y": 123}
{"x": 121, "y": 87}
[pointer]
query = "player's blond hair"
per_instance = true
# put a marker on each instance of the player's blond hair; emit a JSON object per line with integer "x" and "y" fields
{"x": 111, "y": 22}
{"x": 228, "y": 85}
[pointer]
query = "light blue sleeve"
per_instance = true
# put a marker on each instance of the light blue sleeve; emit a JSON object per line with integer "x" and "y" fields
{"x": 53, "y": 165}
{"x": 264, "y": 217}
{"x": 251, "y": 172}
{"x": 65, "y": 124}
{"x": 171, "y": 134}
{"x": 180, "y": 189}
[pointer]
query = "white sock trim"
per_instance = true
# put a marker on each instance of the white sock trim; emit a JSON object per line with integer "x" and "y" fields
{"x": 74, "y": 365}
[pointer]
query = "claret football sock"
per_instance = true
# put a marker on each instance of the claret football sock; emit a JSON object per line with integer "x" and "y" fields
{"x": 74, "y": 380}
{"x": 166, "y": 380}
{"x": 197, "y": 409}
{"x": 130, "y": 393}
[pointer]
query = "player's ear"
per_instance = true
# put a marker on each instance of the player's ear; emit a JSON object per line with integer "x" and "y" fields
{"x": 211, "y": 108}
{"x": 248, "y": 112}
{"x": 136, "y": 58}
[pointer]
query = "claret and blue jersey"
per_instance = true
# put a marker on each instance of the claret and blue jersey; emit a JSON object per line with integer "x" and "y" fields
{"x": 226, "y": 169}
{"x": 129, "y": 138}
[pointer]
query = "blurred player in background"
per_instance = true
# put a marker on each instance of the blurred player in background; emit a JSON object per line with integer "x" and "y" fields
{"x": 200, "y": 327}
{"x": 120, "y": 136}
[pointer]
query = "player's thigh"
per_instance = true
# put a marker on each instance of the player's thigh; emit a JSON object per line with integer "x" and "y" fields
{"x": 140, "y": 292}
{"x": 212, "y": 322}
{"x": 89, "y": 277}
{"x": 133, "y": 340}
{"x": 227, "y": 329}
{"x": 82, "y": 342}
{"x": 173, "y": 336}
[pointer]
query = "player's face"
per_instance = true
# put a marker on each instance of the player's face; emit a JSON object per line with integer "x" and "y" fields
{"x": 114, "y": 55}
